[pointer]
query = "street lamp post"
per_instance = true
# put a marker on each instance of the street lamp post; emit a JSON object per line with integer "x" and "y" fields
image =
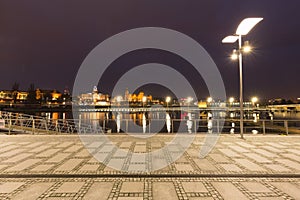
{"x": 243, "y": 29}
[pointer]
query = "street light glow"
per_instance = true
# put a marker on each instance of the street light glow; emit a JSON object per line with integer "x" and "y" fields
{"x": 168, "y": 99}
{"x": 231, "y": 100}
{"x": 234, "y": 55}
{"x": 247, "y": 24}
{"x": 247, "y": 48}
{"x": 254, "y": 99}
{"x": 209, "y": 99}
{"x": 144, "y": 99}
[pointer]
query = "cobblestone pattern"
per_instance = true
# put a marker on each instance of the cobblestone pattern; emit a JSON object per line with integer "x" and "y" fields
{"x": 126, "y": 188}
{"x": 67, "y": 155}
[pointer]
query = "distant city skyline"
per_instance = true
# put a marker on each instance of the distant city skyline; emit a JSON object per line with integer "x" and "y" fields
{"x": 44, "y": 43}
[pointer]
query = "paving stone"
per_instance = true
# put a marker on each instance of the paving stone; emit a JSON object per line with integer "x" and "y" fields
{"x": 239, "y": 149}
{"x": 288, "y": 188}
{"x": 11, "y": 153}
{"x": 89, "y": 167}
{"x": 138, "y": 158}
{"x": 271, "y": 198}
{"x": 295, "y": 151}
{"x": 17, "y": 158}
{"x": 116, "y": 163}
{"x": 64, "y": 144}
{"x": 140, "y": 148}
{"x": 228, "y": 191}
{"x": 107, "y": 148}
{"x": 265, "y": 153}
{"x": 130, "y": 198}
{"x": 289, "y": 163}
{"x": 229, "y": 153}
{"x": 48, "y": 153}
{"x": 99, "y": 190}
{"x": 8, "y": 187}
{"x": 231, "y": 167}
{"x": 23, "y": 165}
{"x": 39, "y": 149}
{"x": 73, "y": 148}
{"x": 95, "y": 144}
{"x": 70, "y": 187}
{"x": 258, "y": 158}
{"x": 184, "y": 167}
{"x": 205, "y": 165}
{"x": 132, "y": 187}
{"x": 69, "y": 165}
{"x": 121, "y": 153}
{"x": 276, "y": 145}
{"x": 219, "y": 158}
{"x": 137, "y": 168}
{"x": 246, "y": 145}
{"x": 3, "y": 166}
{"x": 164, "y": 190}
{"x": 291, "y": 156}
{"x": 273, "y": 149}
{"x": 276, "y": 167}
{"x": 255, "y": 187}
{"x": 193, "y": 153}
{"x": 195, "y": 187}
{"x": 42, "y": 168}
{"x": 249, "y": 165}
{"x": 34, "y": 144}
{"x": 58, "y": 157}
{"x": 83, "y": 153}
{"x": 33, "y": 191}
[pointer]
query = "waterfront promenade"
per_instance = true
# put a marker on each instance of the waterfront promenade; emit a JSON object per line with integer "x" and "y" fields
{"x": 60, "y": 167}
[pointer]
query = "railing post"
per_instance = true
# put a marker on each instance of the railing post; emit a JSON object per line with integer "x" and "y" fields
{"x": 286, "y": 127}
{"x": 172, "y": 125}
{"x": 9, "y": 126}
{"x": 218, "y": 126}
{"x": 195, "y": 122}
{"x": 126, "y": 125}
{"x": 264, "y": 127}
{"x": 33, "y": 125}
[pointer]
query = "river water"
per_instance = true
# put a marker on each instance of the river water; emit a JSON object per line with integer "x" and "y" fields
{"x": 154, "y": 121}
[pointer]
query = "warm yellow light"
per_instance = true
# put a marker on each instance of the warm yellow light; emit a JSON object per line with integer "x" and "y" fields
{"x": 247, "y": 48}
{"x": 144, "y": 99}
{"x": 234, "y": 57}
{"x": 119, "y": 98}
{"x": 254, "y": 99}
{"x": 209, "y": 99}
{"x": 231, "y": 100}
{"x": 189, "y": 99}
{"x": 168, "y": 99}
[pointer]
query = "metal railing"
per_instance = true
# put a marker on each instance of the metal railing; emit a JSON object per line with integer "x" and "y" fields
{"x": 24, "y": 123}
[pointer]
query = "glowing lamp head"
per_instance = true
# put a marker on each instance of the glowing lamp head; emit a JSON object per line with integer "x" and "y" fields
{"x": 247, "y": 48}
{"x": 209, "y": 99}
{"x": 234, "y": 55}
{"x": 168, "y": 99}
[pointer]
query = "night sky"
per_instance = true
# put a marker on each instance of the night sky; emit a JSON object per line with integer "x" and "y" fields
{"x": 45, "y": 42}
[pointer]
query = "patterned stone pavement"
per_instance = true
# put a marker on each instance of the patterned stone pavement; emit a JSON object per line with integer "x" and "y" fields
{"x": 60, "y": 167}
